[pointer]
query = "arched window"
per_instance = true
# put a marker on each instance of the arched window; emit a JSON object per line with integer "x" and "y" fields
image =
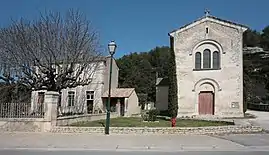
{"x": 207, "y": 58}
{"x": 197, "y": 60}
{"x": 216, "y": 60}
{"x": 207, "y": 55}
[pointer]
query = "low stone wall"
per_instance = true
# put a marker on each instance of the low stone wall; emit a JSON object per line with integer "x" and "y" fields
{"x": 22, "y": 124}
{"x": 67, "y": 120}
{"x": 167, "y": 130}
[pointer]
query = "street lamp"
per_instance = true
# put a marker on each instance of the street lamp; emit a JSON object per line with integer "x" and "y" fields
{"x": 112, "y": 48}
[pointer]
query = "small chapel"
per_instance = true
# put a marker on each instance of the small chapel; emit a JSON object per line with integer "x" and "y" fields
{"x": 209, "y": 68}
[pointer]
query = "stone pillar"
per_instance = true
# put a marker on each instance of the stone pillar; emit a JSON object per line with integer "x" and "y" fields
{"x": 32, "y": 101}
{"x": 118, "y": 107}
{"x": 51, "y": 100}
{"x": 126, "y": 113}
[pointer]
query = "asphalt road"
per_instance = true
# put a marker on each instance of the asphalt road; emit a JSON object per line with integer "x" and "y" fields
{"x": 32, "y": 152}
{"x": 82, "y": 144}
{"x": 248, "y": 139}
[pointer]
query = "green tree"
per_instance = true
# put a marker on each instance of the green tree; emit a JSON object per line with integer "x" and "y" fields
{"x": 256, "y": 72}
{"x": 138, "y": 70}
{"x": 159, "y": 59}
{"x": 265, "y": 38}
{"x": 251, "y": 38}
{"x": 172, "y": 94}
{"x": 33, "y": 51}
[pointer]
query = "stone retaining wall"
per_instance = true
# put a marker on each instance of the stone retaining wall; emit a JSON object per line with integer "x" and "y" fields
{"x": 22, "y": 124}
{"x": 67, "y": 120}
{"x": 168, "y": 130}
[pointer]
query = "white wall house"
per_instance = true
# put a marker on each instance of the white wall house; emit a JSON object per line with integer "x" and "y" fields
{"x": 91, "y": 98}
{"x": 162, "y": 88}
{"x": 88, "y": 98}
{"x": 209, "y": 67}
{"x": 124, "y": 101}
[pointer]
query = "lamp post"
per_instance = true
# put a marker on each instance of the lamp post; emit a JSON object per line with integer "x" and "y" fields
{"x": 112, "y": 48}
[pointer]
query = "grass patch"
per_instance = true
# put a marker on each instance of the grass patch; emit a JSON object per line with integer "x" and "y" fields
{"x": 138, "y": 122}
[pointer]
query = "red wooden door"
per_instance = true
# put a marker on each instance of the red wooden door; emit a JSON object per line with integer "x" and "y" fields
{"x": 206, "y": 103}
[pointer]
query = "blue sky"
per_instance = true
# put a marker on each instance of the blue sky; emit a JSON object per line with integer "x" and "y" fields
{"x": 140, "y": 25}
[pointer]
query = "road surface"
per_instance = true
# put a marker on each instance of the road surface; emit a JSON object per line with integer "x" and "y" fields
{"x": 262, "y": 118}
{"x": 32, "y": 152}
{"x": 80, "y": 144}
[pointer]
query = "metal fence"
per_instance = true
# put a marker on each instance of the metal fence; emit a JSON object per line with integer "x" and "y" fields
{"x": 259, "y": 107}
{"x": 20, "y": 110}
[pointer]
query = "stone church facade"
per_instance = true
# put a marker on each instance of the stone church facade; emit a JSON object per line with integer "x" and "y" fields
{"x": 209, "y": 67}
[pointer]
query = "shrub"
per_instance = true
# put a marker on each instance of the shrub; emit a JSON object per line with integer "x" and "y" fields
{"x": 152, "y": 115}
{"x": 145, "y": 115}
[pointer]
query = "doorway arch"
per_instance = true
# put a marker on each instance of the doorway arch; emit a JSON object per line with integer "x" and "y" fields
{"x": 206, "y": 99}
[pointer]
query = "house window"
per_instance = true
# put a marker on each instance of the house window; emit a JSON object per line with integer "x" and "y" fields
{"x": 90, "y": 95}
{"x": 206, "y": 29}
{"x": 197, "y": 60}
{"x": 216, "y": 60}
{"x": 71, "y": 98}
{"x": 207, "y": 58}
{"x": 89, "y": 101}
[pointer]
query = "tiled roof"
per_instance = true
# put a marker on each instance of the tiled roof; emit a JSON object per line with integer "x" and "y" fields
{"x": 212, "y": 17}
{"x": 120, "y": 92}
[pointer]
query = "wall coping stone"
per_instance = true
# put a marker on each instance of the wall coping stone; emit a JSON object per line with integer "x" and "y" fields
{"x": 52, "y": 93}
{"x": 23, "y": 119}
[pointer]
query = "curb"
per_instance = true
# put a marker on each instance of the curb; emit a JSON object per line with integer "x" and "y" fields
{"x": 144, "y": 149}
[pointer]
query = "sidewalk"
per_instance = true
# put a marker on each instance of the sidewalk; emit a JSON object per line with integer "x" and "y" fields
{"x": 115, "y": 142}
{"x": 261, "y": 120}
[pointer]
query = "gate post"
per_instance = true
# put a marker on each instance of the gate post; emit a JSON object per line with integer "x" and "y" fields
{"x": 51, "y": 100}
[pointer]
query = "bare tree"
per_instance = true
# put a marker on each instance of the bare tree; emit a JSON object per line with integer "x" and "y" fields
{"x": 54, "y": 51}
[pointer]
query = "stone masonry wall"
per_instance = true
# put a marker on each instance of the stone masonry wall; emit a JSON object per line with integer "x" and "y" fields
{"x": 167, "y": 130}
{"x": 228, "y": 79}
{"x": 22, "y": 125}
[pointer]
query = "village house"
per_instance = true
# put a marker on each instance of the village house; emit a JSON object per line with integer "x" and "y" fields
{"x": 209, "y": 69}
{"x": 162, "y": 88}
{"x": 92, "y": 98}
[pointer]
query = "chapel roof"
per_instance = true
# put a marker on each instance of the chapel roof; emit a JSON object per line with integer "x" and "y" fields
{"x": 212, "y": 18}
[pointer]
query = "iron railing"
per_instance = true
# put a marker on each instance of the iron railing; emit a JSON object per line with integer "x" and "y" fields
{"x": 259, "y": 107}
{"x": 21, "y": 110}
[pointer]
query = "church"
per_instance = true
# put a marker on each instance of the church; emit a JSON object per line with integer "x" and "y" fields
{"x": 209, "y": 69}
